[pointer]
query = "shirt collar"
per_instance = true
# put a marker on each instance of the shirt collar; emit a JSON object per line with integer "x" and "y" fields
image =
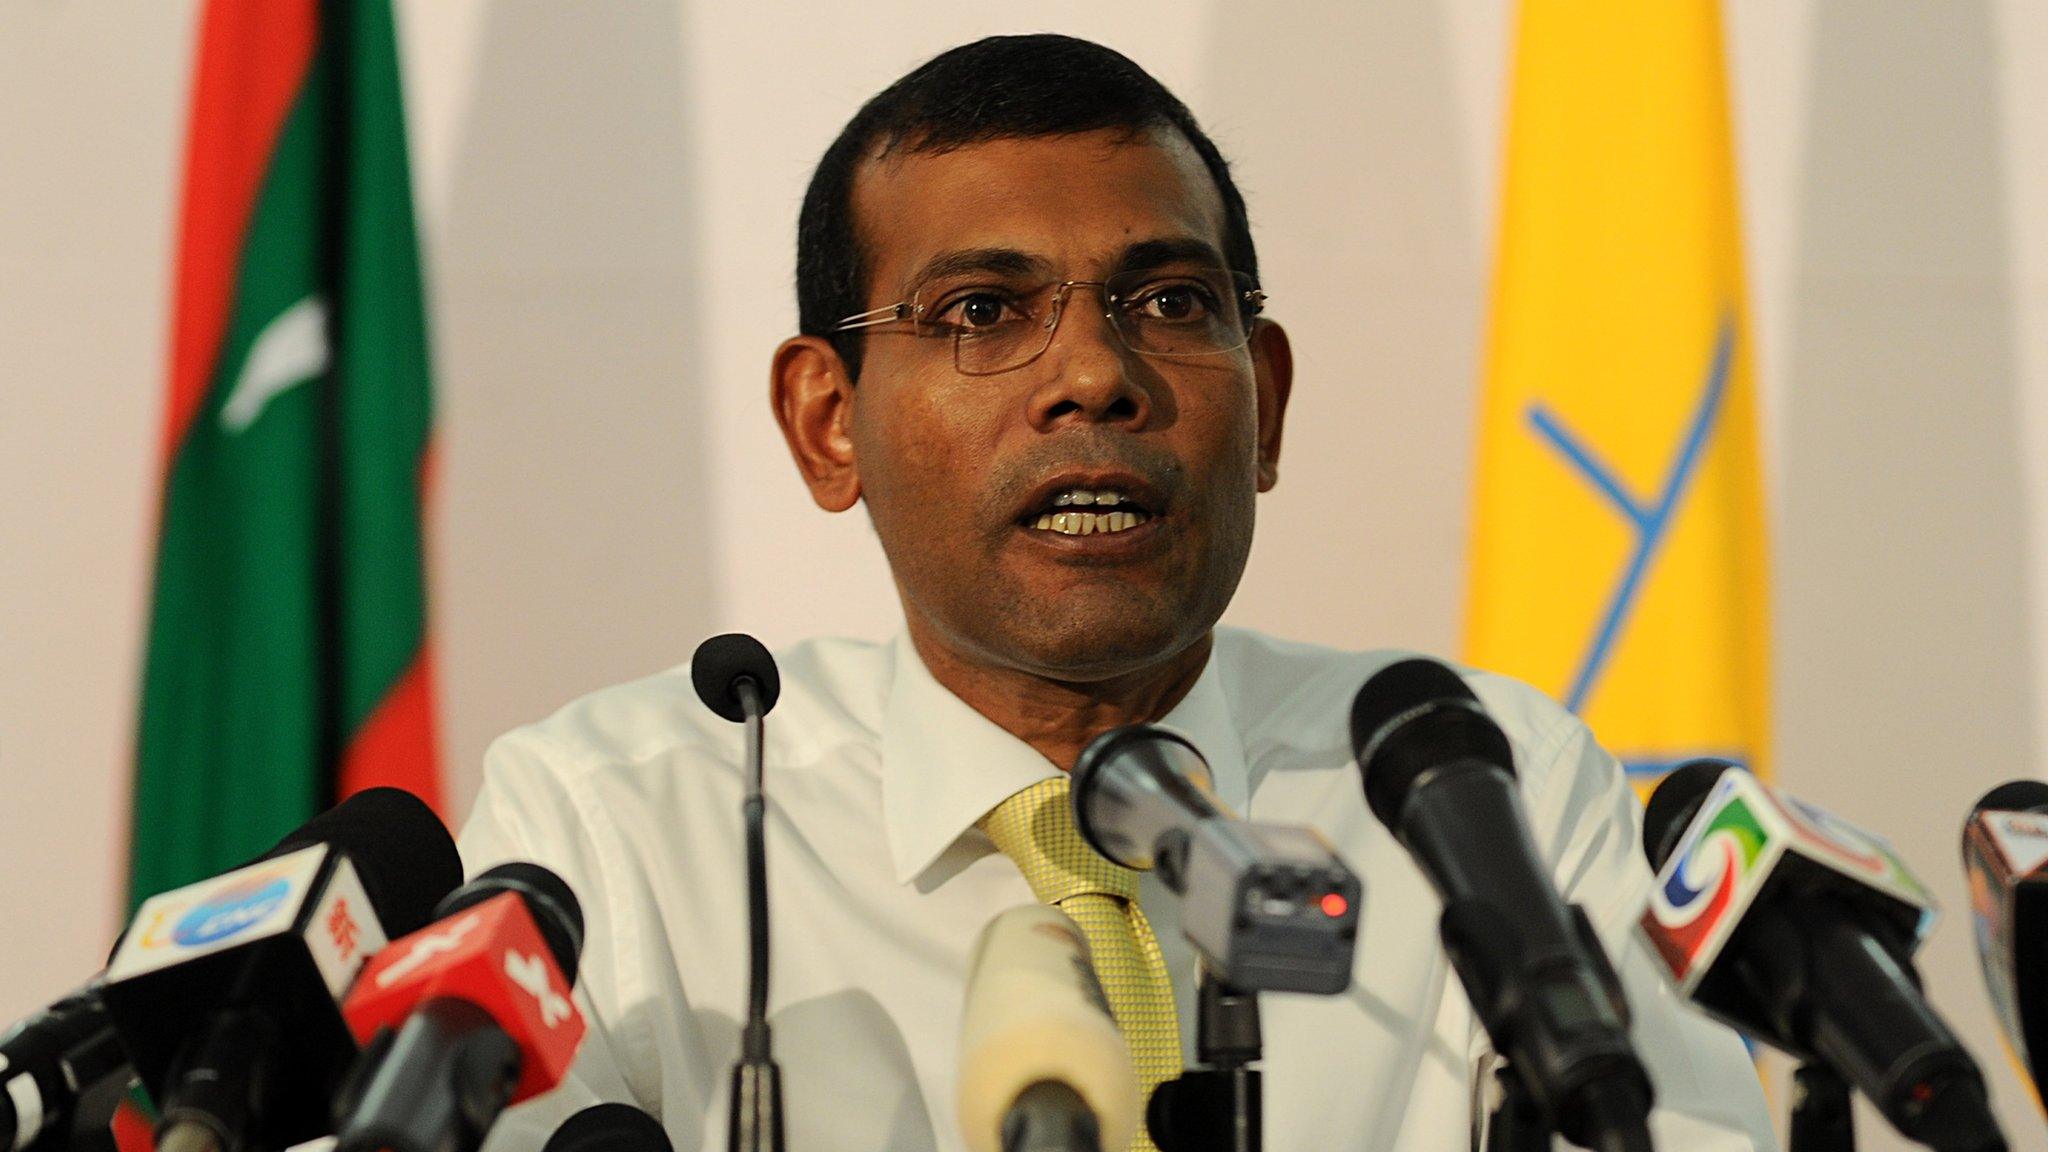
{"x": 944, "y": 765}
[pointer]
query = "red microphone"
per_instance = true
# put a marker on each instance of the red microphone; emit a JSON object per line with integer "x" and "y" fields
{"x": 465, "y": 1017}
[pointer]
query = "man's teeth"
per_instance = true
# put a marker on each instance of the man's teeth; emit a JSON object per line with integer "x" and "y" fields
{"x": 1077, "y": 523}
{"x": 1084, "y": 497}
{"x": 1089, "y": 523}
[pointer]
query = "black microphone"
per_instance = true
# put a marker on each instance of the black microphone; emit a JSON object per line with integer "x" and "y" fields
{"x": 402, "y": 852}
{"x": 609, "y": 1128}
{"x": 1799, "y": 929}
{"x": 735, "y": 677}
{"x": 2005, "y": 852}
{"x": 51, "y": 1062}
{"x": 1439, "y": 772}
{"x": 465, "y": 1017}
{"x": 225, "y": 992}
{"x": 724, "y": 668}
{"x": 1269, "y": 907}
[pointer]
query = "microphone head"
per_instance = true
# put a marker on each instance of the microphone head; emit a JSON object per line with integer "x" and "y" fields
{"x": 548, "y": 898}
{"x": 721, "y": 662}
{"x": 2015, "y": 796}
{"x": 1412, "y": 716}
{"x": 1034, "y": 1012}
{"x": 1134, "y": 783}
{"x": 401, "y": 851}
{"x": 609, "y": 1128}
{"x": 1674, "y": 803}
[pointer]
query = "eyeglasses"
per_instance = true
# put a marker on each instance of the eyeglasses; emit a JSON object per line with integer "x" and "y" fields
{"x": 996, "y": 327}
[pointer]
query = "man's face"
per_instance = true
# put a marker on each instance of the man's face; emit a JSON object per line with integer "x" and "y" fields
{"x": 959, "y": 471}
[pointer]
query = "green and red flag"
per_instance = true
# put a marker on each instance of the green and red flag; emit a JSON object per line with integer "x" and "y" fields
{"x": 288, "y": 662}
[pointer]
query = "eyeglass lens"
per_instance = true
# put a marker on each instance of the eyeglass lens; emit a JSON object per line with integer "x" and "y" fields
{"x": 1179, "y": 312}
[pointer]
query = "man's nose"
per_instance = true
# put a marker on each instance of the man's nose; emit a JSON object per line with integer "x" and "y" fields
{"x": 1089, "y": 374}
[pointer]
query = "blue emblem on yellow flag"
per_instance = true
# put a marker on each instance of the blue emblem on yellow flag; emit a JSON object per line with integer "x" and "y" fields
{"x": 1618, "y": 556}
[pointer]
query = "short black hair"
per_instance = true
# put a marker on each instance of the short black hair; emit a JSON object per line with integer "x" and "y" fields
{"x": 1001, "y": 87}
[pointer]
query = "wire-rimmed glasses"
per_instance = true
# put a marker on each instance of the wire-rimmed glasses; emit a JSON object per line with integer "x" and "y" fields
{"x": 996, "y": 326}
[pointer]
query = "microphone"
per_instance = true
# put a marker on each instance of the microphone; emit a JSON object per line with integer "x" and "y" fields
{"x": 1042, "y": 1065}
{"x": 466, "y": 1016}
{"x": 52, "y": 1060}
{"x": 1440, "y": 774}
{"x": 725, "y": 667}
{"x": 735, "y": 677}
{"x": 225, "y": 992}
{"x": 1799, "y": 929}
{"x": 1269, "y": 907}
{"x": 609, "y": 1128}
{"x": 2005, "y": 845}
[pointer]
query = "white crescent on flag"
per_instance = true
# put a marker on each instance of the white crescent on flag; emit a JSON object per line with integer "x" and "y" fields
{"x": 290, "y": 350}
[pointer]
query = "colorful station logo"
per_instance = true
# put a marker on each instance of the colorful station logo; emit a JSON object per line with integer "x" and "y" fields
{"x": 1735, "y": 843}
{"x": 230, "y": 909}
{"x": 1697, "y": 894}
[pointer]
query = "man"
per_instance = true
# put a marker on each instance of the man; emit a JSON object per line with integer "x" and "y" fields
{"x": 1034, "y": 348}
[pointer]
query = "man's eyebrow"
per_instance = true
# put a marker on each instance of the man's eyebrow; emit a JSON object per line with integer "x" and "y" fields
{"x": 1173, "y": 250}
{"x": 965, "y": 261}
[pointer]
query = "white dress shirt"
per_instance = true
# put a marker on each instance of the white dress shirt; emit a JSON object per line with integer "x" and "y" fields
{"x": 879, "y": 882}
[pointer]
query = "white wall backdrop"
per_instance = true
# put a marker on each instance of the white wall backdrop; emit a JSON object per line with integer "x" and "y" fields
{"x": 608, "y": 194}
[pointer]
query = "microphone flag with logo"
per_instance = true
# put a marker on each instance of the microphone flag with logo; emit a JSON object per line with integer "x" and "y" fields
{"x": 288, "y": 664}
{"x": 1711, "y": 867}
{"x": 225, "y": 994}
{"x": 465, "y": 1016}
{"x": 1618, "y": 549}
{"x": 1800, "y": 930}
{"x": 2005, "y": 857}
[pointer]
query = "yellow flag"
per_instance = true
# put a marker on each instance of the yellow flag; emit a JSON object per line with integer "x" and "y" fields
{"x": 1618, "y": 552}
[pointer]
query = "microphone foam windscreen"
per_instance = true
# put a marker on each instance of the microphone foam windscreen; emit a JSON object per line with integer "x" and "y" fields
{"x": 549, "y": 899}
{"x": 1414, "y": 715}
{"x": 401, "y": 851}
{"x": 1674, "y": 803}
{"x": 718, "y": 665}
{"x": 2015, "y": 796}
{"x": 609, "y": 1128}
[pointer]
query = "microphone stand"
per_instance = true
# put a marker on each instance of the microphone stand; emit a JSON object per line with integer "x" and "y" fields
{"x": 1520, "y": 1126}
{"x": 1217, "y": 1106}
{"x": 1517, "y": 1125}
{"x": 1822, "y": 1120}
{"x": 755, "y": 1120}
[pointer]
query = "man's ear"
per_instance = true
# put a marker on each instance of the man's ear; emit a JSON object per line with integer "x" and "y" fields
{"x": 812, "y": 397}
{"x": 1273, "y": 371}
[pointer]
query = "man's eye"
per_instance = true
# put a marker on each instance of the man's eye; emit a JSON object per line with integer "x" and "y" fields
{"x": 1175, "y": 302}
{"x": 975, "y": 310}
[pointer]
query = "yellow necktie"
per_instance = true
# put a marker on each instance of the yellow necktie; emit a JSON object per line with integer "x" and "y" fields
{"x": 1035, "y": 828}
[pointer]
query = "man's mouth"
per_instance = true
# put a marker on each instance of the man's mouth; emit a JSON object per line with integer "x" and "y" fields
{"x": 1089, "y": 512}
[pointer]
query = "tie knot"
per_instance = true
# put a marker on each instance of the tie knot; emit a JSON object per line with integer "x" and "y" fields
{"x": 1035, "y": 828}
